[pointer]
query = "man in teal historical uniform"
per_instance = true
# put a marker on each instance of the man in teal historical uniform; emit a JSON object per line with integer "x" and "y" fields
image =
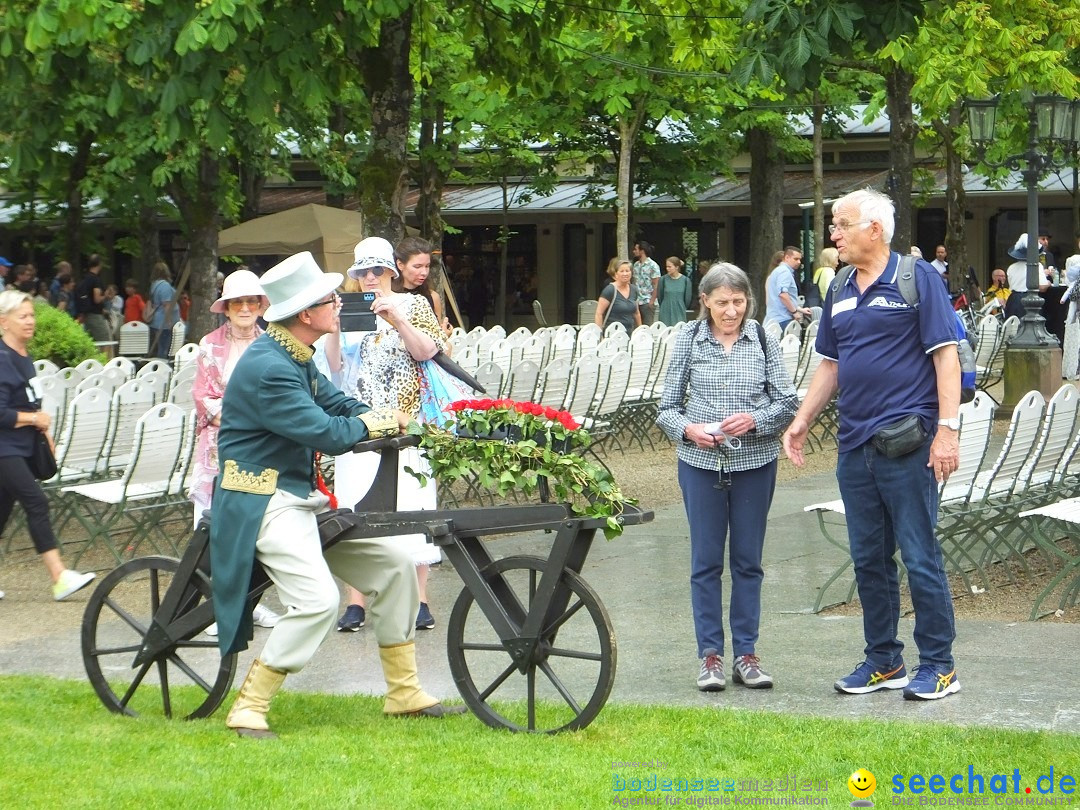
{"x": 278, "y": 410}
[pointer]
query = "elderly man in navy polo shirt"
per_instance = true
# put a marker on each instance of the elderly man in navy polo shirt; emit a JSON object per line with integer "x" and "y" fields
{"x": 889, "y": 361}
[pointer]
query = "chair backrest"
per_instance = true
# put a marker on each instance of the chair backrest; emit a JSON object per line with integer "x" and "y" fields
{"x": 535, "y": 349}
{"x": 124, "y": 365}
{"x": 523, "y": 378}
{"x": 498, "y": 331}
{"x": 108, "y": 379}
{"x": 185, "y": 354}
{"x": 154, "y": 367}
{"x": 617, "y": 378}
{"x": 563, "y": 345}
{"x": 773, "y": 329}
{"x": 584, "y": 382}
{"x": 158, "y": 382}
{"x": 130, "y": 401}
{"x": 614, "y": 327}
{"x": 1024, "y": 429}
{"x": 588, "y": 338}
{"x": 538, "y": 313}
{"x": 793, "y": 328}
{"x": 586, "y": 312}
{"x": 55, "y": 391}
{"x": 79, "y": 451}
{"x": 157, "y": 448}
{"x": 179, "y": 332}
{"x": 642, "y": 351}
{"x": 44, "y": 367}
{"x": 134, "y": 339}
{"x": 1056, "y": 436}
{"x": 791, "y": 347}
{"x": 89, "y": 367}
{"x": 182, "y": 389}
{"x": 976, "y": 423}
{"x": 1010, "y": 328}
{"x": 490, "y": 375}
{"x": 552, "y": 384}
{"x": 989, "y": 335}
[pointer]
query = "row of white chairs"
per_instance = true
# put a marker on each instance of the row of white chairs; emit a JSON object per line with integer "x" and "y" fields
{"x": 134, "y": 339}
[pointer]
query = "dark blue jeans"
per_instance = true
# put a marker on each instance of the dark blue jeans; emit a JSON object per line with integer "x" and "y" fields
{"x": 891, "y": 503}
{"x": 741, "y": 513}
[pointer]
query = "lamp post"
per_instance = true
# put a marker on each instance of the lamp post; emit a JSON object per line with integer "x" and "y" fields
{"x": 1053, "y": 129}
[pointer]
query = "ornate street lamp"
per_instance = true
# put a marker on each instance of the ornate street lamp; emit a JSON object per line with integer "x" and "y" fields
{"x": 1053, "y": 131}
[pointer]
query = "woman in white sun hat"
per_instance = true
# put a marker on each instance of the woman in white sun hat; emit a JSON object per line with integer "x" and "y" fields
{"x": 383, "y": 369}
{"x": 242, "y": 302}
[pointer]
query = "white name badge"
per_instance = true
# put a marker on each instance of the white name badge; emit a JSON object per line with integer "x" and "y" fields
{"x": 843, "y": 306}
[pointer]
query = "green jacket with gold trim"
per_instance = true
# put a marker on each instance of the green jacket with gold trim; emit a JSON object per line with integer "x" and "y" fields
{"x": 277, "y": 411}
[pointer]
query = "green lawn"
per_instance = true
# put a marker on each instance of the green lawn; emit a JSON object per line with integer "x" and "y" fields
{"x": 62, "y": 749}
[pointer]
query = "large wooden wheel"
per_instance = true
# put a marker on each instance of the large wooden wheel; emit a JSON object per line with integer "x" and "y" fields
{"x": 186, "y": 677}
{"x": 567, "y": 679}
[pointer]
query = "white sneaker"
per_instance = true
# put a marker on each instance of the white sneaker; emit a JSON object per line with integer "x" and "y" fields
{"x": 211, "y": 630}
{"x": 1, "y": 594}
{"x": 264, "y": 617}
{"x": 70, "y": 581}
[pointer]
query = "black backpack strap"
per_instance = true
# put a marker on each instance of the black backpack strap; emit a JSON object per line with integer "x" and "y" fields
{"x": 761, "y": 339}
{"x": 842, "y": 275}
{"x": 905, "y": 280}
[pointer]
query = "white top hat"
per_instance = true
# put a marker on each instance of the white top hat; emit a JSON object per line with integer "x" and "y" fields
{"x": 296, "y": 284}
{"x": 239, "y": 284}
{"x": 372, "y": 252}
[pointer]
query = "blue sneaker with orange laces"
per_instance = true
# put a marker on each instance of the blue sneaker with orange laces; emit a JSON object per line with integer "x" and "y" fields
{"x": 867, "y": 679}
{"x": 932, "y": 683}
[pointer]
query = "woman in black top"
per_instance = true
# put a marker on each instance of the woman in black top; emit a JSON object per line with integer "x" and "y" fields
{"x": 20, "y": 416}
{"x": 620, "y": 296}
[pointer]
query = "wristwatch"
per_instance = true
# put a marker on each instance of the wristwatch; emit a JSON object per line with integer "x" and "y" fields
{"x": 951, "y": 424}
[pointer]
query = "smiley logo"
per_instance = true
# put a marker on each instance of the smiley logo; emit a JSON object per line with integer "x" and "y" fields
{"x": 862, "y": 784}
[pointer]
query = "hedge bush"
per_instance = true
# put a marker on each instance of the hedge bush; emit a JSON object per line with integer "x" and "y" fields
{"x": 61, "y": 339}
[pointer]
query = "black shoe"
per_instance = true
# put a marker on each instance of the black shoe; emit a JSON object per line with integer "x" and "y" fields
{"x": 424, "y": 619}
{"x": 352, "y": 621}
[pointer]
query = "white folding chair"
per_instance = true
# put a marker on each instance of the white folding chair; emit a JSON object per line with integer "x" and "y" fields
{"x": 134, "y": 339}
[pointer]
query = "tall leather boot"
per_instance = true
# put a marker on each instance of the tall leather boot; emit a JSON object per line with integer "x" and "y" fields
{"x": 404, "y": 697}
{"x": 248, "y": 714}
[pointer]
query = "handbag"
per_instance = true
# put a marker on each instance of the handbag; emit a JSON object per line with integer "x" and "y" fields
{"x": 42, "y": 462}
{"x": 900, "y": 438}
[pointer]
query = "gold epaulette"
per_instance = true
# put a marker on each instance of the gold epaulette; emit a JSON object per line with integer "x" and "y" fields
{"x": 237, "y": 480}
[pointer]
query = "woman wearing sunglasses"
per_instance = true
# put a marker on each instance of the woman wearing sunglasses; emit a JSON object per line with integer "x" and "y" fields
{"x": 383, "y": 369}
{"x": 241, "y": 302}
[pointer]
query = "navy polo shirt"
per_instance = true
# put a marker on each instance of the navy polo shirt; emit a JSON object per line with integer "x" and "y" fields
{"x": 883, "y": 349}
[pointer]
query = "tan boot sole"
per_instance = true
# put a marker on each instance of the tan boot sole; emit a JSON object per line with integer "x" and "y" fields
{"x": 437, "y": 711}
{"x": 256, "y": 733}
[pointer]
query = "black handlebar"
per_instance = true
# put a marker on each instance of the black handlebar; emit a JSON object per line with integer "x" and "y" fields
{"x": 386, "y": 443}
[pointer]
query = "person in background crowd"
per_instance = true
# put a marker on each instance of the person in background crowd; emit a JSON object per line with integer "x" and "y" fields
{"x": 998, "y": 291}
{"x": 618, "y": 300}
{"x": 5, "y": 268}
{"x": 889, "y": 489}
{"x": 241, "y": 302}
{"x": 42, "y": 296}
{"x": 113, "y": 309}
{"x": 915, "y": 251}
{"x": 1046, "y": 257}
{"x": 939, "y": 262}
{"x": 134, "y": 304}
{"x": 646, "y": 278}
{"x": 65, "y": 298}
{"x": 63, "y": 268}
{"x": 163, "y": 311}
{"x": 828, "y": 261}
{"x": 90, "y": 301}
{"x": 1016, "y": 273}
{"x": 673, "y": 293}
{"x": 727, "y": 397}
{"x": 20, "y": 417}
{"x": 781, "y": 291}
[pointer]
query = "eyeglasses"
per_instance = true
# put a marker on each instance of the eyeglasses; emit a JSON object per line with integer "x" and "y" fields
{"x": 375, "y": 271}
{"x": 333, "y": 299}
{"x": 240, "y": 303}
{"x": 847, "y": 226}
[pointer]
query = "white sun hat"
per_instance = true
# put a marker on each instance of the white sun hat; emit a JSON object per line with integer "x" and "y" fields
{"x": 296, "y": 284}
{"x": 372, "y": 252}
{"x": 239, "y": 284}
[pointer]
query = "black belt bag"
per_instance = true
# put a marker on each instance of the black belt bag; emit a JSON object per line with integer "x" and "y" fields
{"x": 900, "y": 438}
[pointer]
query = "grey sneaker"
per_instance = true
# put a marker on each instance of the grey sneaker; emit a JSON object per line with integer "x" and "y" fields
{"x": 748, "y": 672}
{"x": 711, "y": 677}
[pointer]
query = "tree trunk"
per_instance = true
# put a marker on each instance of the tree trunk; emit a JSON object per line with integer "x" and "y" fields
{"x": 338, "y": 131}
{"x": 902, "y": 132}
{"x": 624, "y": 189}
{"x": 149, "y": 244}
{"x": 74, "y": 215}
{"x": 810, "y": 262}
{"x": 382, "y": 178}
{"x": 198, "y": 206}
{"x": 767, "y": 165}
{"x": 955, "y": 204}
{"x": 504, "y": 251}
{"x": 437, "y": 154}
